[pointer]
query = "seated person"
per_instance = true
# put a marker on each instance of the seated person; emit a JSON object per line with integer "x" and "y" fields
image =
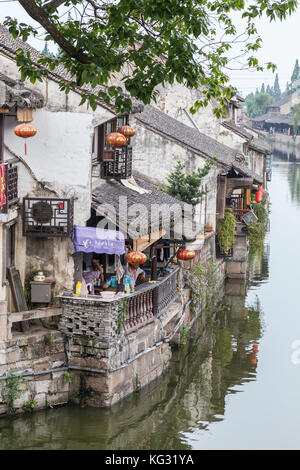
{"x": 92, "y": 274}
{"x": 137, "y": 274}
{"x": 112, "y": 282}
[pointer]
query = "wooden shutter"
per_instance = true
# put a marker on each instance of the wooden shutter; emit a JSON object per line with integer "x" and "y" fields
{"x": 101, "y": 138}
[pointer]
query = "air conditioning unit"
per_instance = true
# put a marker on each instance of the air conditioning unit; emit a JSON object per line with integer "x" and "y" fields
{"x": 47, "y": 217}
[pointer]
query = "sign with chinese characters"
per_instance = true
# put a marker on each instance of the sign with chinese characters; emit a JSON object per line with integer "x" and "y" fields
{"x": 249, "y": 217}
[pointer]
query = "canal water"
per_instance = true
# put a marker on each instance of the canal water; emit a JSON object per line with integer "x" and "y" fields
{"x": 234, "y": 385}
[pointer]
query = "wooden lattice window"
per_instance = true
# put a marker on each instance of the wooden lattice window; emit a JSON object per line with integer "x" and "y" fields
{"x": 120, "y": 166}
{"x": 47, "y": 217}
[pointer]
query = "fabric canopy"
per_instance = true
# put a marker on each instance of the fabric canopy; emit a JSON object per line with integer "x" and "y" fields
{"x": 98, "y": 240}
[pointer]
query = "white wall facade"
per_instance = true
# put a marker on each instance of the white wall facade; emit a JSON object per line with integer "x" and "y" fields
{"x": 173, "y": 99}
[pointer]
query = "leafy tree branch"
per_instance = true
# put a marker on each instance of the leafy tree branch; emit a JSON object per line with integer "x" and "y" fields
{"x": 145, "y": 43}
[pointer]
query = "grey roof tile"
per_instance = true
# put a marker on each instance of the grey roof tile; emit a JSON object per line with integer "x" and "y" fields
{"x": 237, "y": 129}
{"x": 275, "y": 118}
{"x": 260, "y": 145}
{"x": 109, "y": 192}
{"x": 192, "y": 139}
{"x": 189, "y": 137}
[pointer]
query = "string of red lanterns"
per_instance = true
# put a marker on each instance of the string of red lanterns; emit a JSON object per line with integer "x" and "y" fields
{"x": 119, "y": 138}
{"x": 128, "y": 131}
{"x": 116, "y": 139}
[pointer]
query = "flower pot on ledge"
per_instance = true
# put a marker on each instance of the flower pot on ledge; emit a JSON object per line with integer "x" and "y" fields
{"x": 208, "y": 227}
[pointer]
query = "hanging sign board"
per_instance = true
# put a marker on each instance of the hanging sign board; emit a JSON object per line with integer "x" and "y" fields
{"x": 268, "y": 161}
{"x": 249, "y": 217}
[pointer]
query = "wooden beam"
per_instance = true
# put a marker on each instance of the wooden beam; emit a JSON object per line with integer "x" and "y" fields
{"x": 236, "y": 183}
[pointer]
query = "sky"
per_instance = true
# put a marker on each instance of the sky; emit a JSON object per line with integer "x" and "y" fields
{"x": 280, "y": 45}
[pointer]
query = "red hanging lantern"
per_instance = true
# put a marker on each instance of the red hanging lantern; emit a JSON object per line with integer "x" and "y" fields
{"x": 253, "y": 358}
{"x": 260, "y": 189}
{"x": 128, "y": 131}
{"x": 136, "y": 257}
{"x": 258, "y": 196}
{"x": 185, "y": 255}
{"x": 116, "y": 139}
{"x": 25, "y": 131}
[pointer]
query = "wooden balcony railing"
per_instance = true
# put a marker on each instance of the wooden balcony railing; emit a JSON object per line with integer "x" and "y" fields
{"x": 8, "y": 186}
{"x": 118, "y": 163}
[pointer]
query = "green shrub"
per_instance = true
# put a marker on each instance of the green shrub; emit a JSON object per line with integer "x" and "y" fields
{"x": 226, "y": 229}
{"x": 11, "y": 391}
{"x": 67, "y": 377}
{"x": 29, "y": 405}
{"x": 257, "y": 230}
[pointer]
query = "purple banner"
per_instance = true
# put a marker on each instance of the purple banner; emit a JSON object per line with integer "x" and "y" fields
{"x": 98, "y": 240}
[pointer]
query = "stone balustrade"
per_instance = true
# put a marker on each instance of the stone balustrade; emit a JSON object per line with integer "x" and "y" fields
{"x": 98, "y": 317}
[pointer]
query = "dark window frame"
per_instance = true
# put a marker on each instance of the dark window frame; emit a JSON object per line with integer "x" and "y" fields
{"x": 8, "y": 249}
{"x": 103, "y": 130}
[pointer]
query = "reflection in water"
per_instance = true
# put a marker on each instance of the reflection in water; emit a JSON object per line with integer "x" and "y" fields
{"x": 293, "y": 172}
{"x": 294, "y": 181}
{"x": 221, "y": 355}
{"x": 285, "y": 156}
{"x": 233, "y": 385}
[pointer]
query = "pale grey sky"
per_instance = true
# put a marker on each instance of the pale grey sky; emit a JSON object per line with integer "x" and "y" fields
{"x": 280, "y": 45}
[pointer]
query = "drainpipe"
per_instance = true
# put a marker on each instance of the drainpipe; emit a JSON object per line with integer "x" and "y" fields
{"x": 192, "y": 120}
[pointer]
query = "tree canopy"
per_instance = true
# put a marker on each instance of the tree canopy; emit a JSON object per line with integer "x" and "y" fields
{"x": 296, "y": 118}
{"x": 295, "y": 74}
{"x": 152, "y": 42}
{"x": 276, "y": 89}
{"x": 258, "y": 105}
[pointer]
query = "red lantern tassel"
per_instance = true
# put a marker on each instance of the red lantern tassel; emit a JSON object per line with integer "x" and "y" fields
{"x": 25, "y": 149}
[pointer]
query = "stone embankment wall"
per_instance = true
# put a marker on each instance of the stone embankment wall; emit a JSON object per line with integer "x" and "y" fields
{"x": 39, "y": 359}
{"x": 108, "y": 364}
{"x": 94, "y": 361}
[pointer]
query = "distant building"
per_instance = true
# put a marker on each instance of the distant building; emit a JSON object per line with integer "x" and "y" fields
{"x": 279, "y": 117}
